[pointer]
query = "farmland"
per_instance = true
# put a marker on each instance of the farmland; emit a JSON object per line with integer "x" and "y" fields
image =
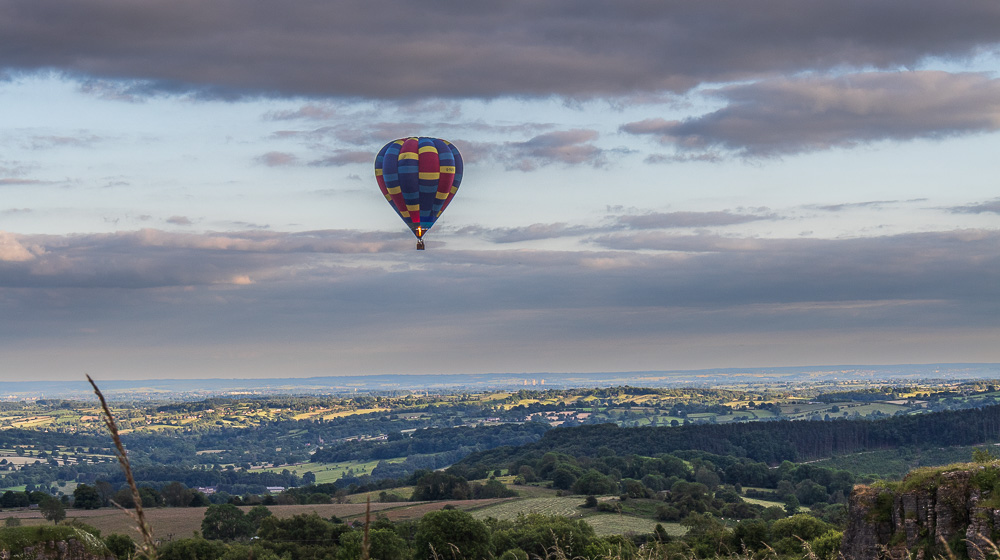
{"x": 570, "y": 506}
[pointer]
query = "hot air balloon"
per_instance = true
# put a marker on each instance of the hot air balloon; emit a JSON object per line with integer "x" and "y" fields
{"x": 419, "y": 177}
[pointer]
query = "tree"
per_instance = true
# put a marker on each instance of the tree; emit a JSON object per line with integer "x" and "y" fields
{"x": 150, "y": 497}
{"x": 176, "y": 494}
{"x": 11, "y": 499}
{"x": 450, "y": 532}
{"x": 492, "y": 489}
{"x": 791, "y": 505}
{"x": 563, "y": 478}
{"x": 191, "y": 549}
{"x": 439, "y": 485}
{"x": 121, "y": 546}
{"x": 86, "y": 497}
{"x": 537, "y": 534}
{"x": 225, "y": 522}
{"x": 383, "y": 544}
{"x": 52, "y": 509}
{"x": 595, "y": 483}
{"x": 303, "y": 536}
{"x": 256, "y": 515}
{"x": 106, "y": 491}
{"x": 124, "y": 498}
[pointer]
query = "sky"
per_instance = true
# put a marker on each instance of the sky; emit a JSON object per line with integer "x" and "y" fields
{"x": 187, "y": 188}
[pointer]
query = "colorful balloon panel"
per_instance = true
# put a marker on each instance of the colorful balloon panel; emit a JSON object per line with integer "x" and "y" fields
{"x": 419, "y": 177}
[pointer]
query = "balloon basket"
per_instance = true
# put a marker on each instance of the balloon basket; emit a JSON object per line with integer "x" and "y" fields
{"x": 420, "y": 244}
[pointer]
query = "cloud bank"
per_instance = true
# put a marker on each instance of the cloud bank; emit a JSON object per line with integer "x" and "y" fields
{"x": 455, "y": 49}
{"x": 642, "y": 298}
{"x": 787, "y": 116}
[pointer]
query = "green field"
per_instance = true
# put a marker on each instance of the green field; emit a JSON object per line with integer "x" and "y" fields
{"x": 603, "y": 523}
{"x": 331, "y": 472}
{"x": 565, "y": 506}
{"x": 614, "y": 524}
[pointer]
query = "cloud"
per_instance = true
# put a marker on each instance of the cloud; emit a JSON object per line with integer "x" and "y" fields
{"x": 81, "y": 140}
{"x": 644, "y": 221}
{"x": 129, "y": 91}
{"x": 179, "y": 220}
{"x": 309, "y": 111}
{"x": 277, "y": 159}
{"x": 636, "y": 299}
{"x": 990, "y": 206}
{"x": 867, "y": 204}
{"x": 655, "y": 220}
{"x": 786, "y": 116}
{"x": 454, "y": 50}
{"x": 6, "y": 181}
{"x": 151, "y": 258}
{"x": 343, "y": 157}
{"x": 570, "y": 147}
{"x": 533, "y": 232}
{"x": 11, "y": 249}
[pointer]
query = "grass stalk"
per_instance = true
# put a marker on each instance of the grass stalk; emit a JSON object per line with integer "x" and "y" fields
{"x": 365, "y": 542}
{"x": 148, "y": 544}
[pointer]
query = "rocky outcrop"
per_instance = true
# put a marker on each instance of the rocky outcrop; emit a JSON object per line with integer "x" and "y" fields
{"x": 71, "y": 549}
{"x": 927, "y": 515}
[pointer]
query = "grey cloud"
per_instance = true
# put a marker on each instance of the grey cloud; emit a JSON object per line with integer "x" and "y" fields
{"x": 179, "y": 220}
{"x": 309, "y": 111}
{"x": 689, "y": 219}
{"x": 81, "y": 140}
{"x": 705, "y": 157}
{"x": 151, "y": 258}
{"x": 267, "y": 292}
{"x": 867, "y": 204}
{"x": 990, "y": 206}
{"x": 379, "y": 132}
{"x": 958, "y": 265}
{"x": 533, "y": 232}
{"x": 343, "y": 157}
{"x": 650, "y": 220}
{"x": 571, "y": 147}
{"x": 786, "y": 116}
{"x": 456, "y": 49}
{"x": 4, "y": 181}
{"x": 129, "y": 91}
{"x": 277, "y": 159}
{"x": 12, "y": 168}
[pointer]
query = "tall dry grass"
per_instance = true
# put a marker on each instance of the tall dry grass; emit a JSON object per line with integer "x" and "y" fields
{"x": 148, "y": 546}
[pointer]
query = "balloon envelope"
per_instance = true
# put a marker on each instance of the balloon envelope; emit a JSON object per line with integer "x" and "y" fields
{"x": 419, "y": 177}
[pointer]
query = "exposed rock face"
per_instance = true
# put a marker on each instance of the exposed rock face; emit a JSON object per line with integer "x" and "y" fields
{"x": 924, "y": 517}
{"x": 54, "y": 550}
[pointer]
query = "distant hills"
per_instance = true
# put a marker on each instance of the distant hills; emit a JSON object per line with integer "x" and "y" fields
{"x": 161, "y": 389}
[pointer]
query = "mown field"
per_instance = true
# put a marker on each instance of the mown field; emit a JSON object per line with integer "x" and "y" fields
{"x": 564, "y": 506}
{"x": 603, "y": 523}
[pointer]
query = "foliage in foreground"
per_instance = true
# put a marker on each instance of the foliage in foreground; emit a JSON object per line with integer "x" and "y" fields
{"x": 18, "y": 538}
